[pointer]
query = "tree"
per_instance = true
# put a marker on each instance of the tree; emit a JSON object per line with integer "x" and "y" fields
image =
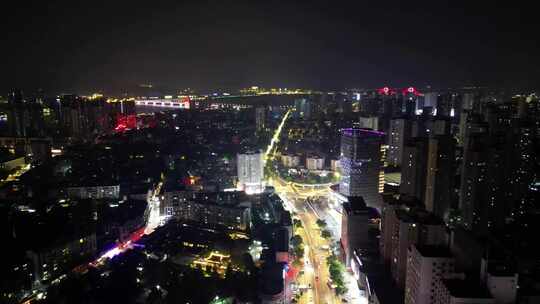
{"x": 297, "y": 223}
{"x": 298, "y": 245}
{"x": 326, "y": 234}
{"x": 321, "y": 223}
{"x": 336, "y": 270}
{"x": 296, "y": 240}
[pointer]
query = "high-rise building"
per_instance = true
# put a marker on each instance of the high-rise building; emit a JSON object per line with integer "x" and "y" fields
{"x": 398, "y": 135}
{"x": 430, "y": 100}
{"x": 468, "y": 101}
{"x": 522, "y": 159}
{"x": 260, "y": 118}
{"x": 389, "y": 221}
{"x": 303, "y": 108}
{"x": 409, "y": 100}
{"x": 361, "y": 164}
{"x": 439, "y": 193}
{"x": 403, "y": 229}
{"x": 497, "y": 169}
{"x": 414, "y": 168}
{"x": 16, "y": 115}
{"x": 420, "y": 125}
{"x": 344, "y": 103}
{"x": 250, "y": 172}
{"x": 446, "y": 102}
{"x": 462, "y": 127}
{"x": 426, "y": 267}
{"x": 25, "y": 119}
{"x": 473, "y": 171}
{"x": 369, "y": 122}
{"x": 354, "y": 227}
{"x": 439, "y": 126}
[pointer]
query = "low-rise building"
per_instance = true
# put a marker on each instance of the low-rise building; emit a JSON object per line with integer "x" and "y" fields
{"x": 223, "y": 209}
{"x": 314, "y": 162}
{"x": 290, "y": 160}
{"x": 96, "y": 192}
{"x": 334, "y": 165}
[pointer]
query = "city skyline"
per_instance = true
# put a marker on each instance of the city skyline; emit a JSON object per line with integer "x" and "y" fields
{"x": 114, "y": 47}
{"x": 269, "y": 152}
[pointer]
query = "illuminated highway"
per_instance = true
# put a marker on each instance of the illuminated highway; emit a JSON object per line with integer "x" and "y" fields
{"x": 275, "y": 137}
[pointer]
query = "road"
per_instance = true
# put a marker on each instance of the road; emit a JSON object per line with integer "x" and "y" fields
{"x": 269, "y": 153}
{"x": 15, "y": 175}
{"x": 297, "y": 199}
{"x": 316, "y": 272}
{"x": 317, "y": 258}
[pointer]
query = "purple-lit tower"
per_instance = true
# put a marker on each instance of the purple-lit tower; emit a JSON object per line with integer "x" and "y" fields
{"x": 361, "y": 165}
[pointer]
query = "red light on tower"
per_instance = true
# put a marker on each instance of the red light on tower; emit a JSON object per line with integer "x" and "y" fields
{"x": 386, "y": 91}
{"x": 411, "y": 90}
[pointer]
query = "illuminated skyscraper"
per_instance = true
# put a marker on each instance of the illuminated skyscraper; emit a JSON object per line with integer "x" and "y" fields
{"x": 250, "y": 172}
{"x": 361, "y": 162}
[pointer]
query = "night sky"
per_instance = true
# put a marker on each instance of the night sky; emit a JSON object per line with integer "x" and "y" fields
{"x": 112, "y": 46}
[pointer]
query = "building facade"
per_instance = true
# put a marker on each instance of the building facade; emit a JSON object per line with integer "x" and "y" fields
{"x": 314, "y": 163}
{"x": 426, "y": 267}
{"x": 398, "y": 135}
{"x": 440, "y": 175}
{"x": 361, "y": 164}
{"x": 250, "y": 172}
{"x": 414, "y": 168}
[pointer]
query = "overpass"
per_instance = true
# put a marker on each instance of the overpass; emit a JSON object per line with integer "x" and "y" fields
{"x": 243, "y": 101}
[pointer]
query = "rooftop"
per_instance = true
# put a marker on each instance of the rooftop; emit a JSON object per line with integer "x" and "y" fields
{"x": 418, "y": 216}
{"x": 358, "y": 131}
{"x": 466, "y": 289}
{"x": 434, "y": 251}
